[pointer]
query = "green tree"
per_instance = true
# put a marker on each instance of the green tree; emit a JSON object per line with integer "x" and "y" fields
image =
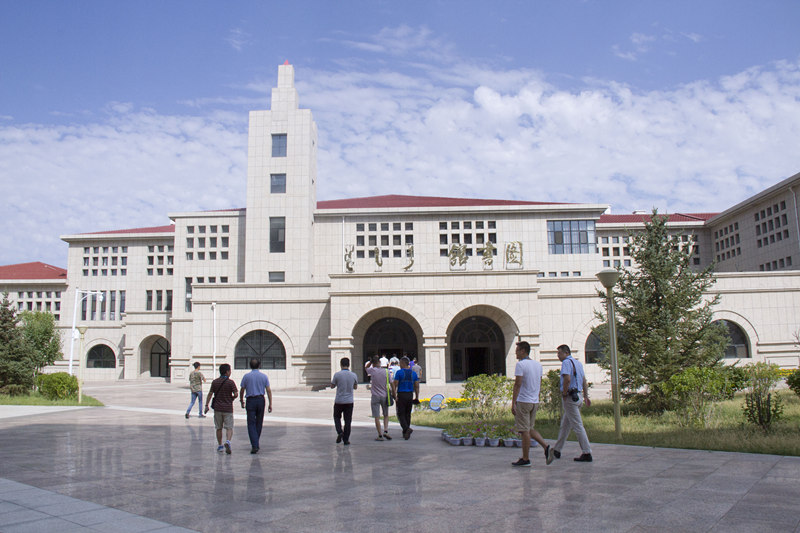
{"x": 39, "y": 330}
{"x": 664, "y": 316}
{"x": 16, "y": 354}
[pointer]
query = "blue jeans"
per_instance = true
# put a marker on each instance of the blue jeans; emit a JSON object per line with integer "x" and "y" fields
{"x": 196, "y": 396}
{"x": 255, "y": 418}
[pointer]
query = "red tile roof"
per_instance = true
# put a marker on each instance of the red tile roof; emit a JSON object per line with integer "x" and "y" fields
{"x": 35, "y": 270}
{"x": 156, "y": 229}
{"x": 672, "y": 217}
{"x": 395, "y": 200}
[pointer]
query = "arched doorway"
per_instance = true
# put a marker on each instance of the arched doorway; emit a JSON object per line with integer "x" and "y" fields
{"x": 477, "y": 346}
{"x": 159, "y": 358}
{"x": 387, "y": 336}
{"x": 263, "y": 345}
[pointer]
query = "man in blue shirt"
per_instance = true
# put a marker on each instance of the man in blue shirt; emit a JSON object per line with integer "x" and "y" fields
{"x": 405, "y": 384}
{"x": 573, "y": 394}
{"x": 254, "y": 385}
{"x": 344, "y": 382}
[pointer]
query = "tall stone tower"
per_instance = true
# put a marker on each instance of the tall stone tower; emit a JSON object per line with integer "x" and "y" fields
{"x": 281, "y": 188}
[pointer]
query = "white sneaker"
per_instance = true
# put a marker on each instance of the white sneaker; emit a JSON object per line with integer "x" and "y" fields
{"x": 220, "y": 448}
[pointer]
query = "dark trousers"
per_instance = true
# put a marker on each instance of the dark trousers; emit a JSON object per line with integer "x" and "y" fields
{"x": 404, "y": 405}
{"x": 255, "y": 418}
{"x": 345, "y": 409}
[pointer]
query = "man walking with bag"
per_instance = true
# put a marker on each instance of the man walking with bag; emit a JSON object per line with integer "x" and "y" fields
{"x": 573, "y": 394}
{"x": 223, "y": 390}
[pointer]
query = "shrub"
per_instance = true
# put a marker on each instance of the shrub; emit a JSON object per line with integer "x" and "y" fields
{"x": 487, "y": 395}
{"x": 693, "y": 392}
{"x": 761, "y": 407}
{"x": 15, "y": 390}
{"x": 550, "y": 394}
{"x": 793, "y": 380}
{"x": 737, "y": 377}
{"x": 58, "y": 386}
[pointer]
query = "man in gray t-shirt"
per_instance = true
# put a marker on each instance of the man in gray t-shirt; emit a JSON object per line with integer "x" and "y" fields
{"x": 344, "y": 381}
{"x": 379, "y": 380}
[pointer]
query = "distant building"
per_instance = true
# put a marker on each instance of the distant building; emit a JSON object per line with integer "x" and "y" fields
{"x": 300, "y": 283}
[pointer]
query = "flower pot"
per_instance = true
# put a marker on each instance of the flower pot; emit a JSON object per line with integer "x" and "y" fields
{"x": 480, "y": 441}
{"x": 455, "y": 441}
{"x": 445, "y": 436}
{"x": 466, "y": 441}
{"x": 494, "y": 442}
{"x": 514, "y": 443}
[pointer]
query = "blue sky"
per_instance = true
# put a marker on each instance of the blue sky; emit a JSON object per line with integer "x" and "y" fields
{"x": 113, "y": 114}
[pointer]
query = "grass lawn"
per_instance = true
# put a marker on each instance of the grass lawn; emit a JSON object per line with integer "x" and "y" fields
{"x": 37, "y": 399}
{"x": 727, "y": 429}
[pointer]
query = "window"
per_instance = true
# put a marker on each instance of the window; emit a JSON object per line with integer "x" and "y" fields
{"x": 277, "y": 183}
{"x": 149, "y": 301}
{"x": 277, "y": 234}
{"x": 593, "y": 350}
{"x": 738, "y": 345}
{"x": 571, "y": 237}
{"x": 279, "y": 145}
{"x": 277, "y": 277}
{"x": 262, "y": 345}
{"x": 101, "y": 356}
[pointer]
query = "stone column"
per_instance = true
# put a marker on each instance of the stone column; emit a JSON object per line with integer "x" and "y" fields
{"x": 434, "y": 369}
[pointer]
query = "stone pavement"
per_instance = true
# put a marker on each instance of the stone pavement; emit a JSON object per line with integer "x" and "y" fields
{"x": 138, "y": 465}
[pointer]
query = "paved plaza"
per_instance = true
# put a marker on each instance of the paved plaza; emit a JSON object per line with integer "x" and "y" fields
{"x": 139, "y": 465}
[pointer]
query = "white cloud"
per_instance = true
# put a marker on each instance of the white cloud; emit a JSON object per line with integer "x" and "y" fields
{"x": 238, "y": 38}
{"x": 128, "y": 171}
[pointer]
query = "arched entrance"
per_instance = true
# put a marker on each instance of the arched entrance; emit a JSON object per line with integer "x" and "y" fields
{"x": 159, "y": 358}
{"x": 263, "y": 345}
{"x": 477, "y": 346}
{"x": 387, "y": 336}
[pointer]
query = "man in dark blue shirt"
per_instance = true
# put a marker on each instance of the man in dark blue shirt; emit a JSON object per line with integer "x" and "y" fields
{"x": 405, "y": 389}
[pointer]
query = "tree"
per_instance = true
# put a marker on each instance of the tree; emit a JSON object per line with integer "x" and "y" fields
{"x": 16, "y": 354}
{"x": 664, "y": 316}
{"x": 39, "y": 330}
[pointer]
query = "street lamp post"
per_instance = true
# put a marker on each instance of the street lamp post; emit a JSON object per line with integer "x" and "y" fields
{"x": 74, "y": 331}
{"x": 82, "y": 329}
{"x": 608, "y": 278}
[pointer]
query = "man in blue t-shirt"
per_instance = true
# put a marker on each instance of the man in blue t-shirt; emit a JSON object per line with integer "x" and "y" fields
{"x": 405, "y": 389}
{"x": 254, "y": 385}
{"x": 344, "y": 381}
{"x": 573, "y": 395}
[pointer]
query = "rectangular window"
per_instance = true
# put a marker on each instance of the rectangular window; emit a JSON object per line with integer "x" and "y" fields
{"x": 277, "y": 183}
{"x": 224, "y": 242}
{"x": 277, "y": 234}
{"x": 279, "y": 145}
{"x": 277, "y": 277}
{"x": 571, "y": 237}
{"x": 148, "y": 306}
{"x": 103, "y": 304}
{"x": 188, "y": 290}
{"x": 112, "y": 305}
{"x": 159, "y": 300}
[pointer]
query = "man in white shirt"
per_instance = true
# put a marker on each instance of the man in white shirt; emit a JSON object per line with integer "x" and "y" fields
{"x": 525, "y": 402}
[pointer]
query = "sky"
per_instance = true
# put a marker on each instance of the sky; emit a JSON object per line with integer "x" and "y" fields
{"x": 114, "y": 114}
